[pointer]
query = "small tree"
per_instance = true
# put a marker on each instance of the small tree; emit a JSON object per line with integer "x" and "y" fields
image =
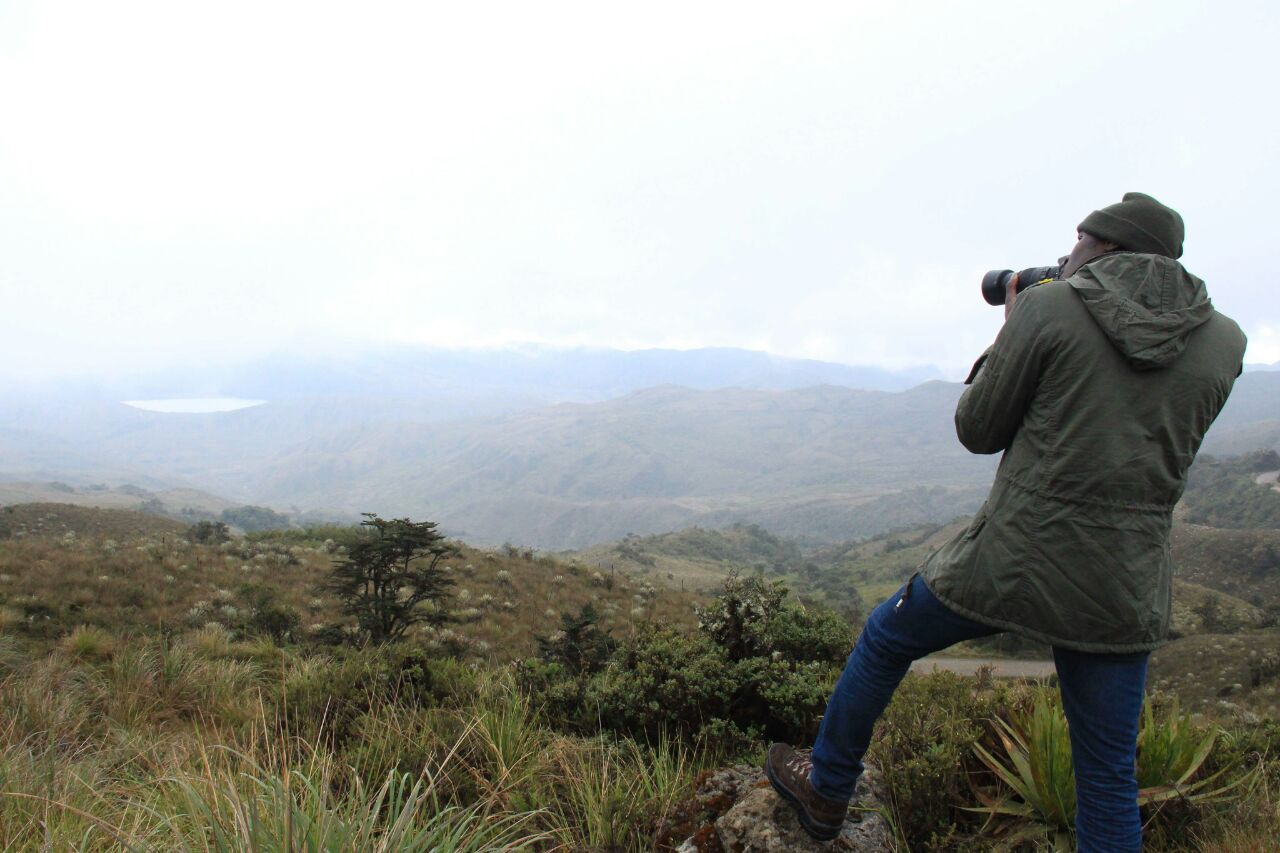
{"x": 208, "y": 533}
{"x": 391, "y": 580}
{"x": 580, "y": 644}
{"x": 255, "y": 519}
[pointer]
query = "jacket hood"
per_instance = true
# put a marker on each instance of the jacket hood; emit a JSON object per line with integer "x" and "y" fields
{"x": 1148, "y": 305}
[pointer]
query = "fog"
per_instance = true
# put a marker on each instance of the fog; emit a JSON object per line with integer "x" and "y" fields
{"x": 202, "y": 184}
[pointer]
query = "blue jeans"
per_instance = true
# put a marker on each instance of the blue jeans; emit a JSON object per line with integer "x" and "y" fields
{"x": 1101, "y": 695}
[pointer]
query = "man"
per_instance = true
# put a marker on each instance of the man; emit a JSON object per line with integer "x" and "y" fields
{"x": 1098, "y": 389}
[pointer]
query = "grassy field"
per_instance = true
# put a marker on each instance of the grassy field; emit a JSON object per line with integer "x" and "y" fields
{"x": 146, "y": 705}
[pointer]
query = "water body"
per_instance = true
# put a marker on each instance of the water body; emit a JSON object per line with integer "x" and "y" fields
{"x": 194, "y": 405}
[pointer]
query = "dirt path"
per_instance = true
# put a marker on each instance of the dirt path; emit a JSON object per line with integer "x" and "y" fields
{"x": 1000, "y": 668}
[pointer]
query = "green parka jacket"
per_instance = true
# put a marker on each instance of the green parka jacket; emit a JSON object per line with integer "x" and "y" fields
{"x": 1099, "y": 390}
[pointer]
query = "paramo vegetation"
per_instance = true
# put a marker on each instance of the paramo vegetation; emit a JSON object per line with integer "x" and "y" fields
{"x": 169, "y": 687}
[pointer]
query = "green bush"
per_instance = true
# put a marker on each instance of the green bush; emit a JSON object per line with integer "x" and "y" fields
{"x": 760, "y": 667}
{"x": 663, "y": 682}
{"x": 580, "y": 645}
{"x": 208, "y": 533}
{"x": 752, "y": 617}
{"x": 924, "y": 749}
{"x": 811, "y": 634}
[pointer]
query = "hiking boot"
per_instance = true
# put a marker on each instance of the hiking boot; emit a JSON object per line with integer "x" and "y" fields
{"x": 788, "y": 771}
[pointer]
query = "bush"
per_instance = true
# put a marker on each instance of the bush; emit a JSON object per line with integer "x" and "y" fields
{"x": 208, "y": 533}
{"x": 752, "y": 617}
{"x": 761, "y": 666}
{"x": 739, "y": 619}
{"x": 580, "y": 645}
{"x": 663, "y": 682}
{"x": 924, "y": 749}
{"x": 252, "y": 519}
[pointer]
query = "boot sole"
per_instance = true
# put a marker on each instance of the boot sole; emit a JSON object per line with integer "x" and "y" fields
{"x": 820, "y": 831}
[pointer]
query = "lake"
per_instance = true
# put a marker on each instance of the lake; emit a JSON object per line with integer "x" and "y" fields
{"x": 194, "y": 405}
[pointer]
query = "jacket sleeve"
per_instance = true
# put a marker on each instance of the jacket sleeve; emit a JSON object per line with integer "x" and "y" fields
{"x": 1003, "y": 380}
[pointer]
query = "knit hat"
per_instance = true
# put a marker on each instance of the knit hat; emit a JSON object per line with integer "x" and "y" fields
{"x": 1138, "y": 223}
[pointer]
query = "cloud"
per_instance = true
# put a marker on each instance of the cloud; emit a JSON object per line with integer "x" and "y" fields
{"x": 193, "y": 183}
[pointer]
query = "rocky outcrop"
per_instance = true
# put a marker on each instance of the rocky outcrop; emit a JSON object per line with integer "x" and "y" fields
{"x": 734, "y": 810}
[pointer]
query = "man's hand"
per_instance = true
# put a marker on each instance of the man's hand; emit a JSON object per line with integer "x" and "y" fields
{"x": 1010, "y": 293}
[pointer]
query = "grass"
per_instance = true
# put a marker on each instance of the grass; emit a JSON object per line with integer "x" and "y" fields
{"x": 127, "y": 725}
{"x": 77, "y": 573}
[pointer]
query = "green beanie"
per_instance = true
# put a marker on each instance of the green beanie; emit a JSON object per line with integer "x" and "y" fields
{"x": 1138, "y": 223}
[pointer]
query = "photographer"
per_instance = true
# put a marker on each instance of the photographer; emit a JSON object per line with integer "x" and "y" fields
{"x": 1098, "y": 390}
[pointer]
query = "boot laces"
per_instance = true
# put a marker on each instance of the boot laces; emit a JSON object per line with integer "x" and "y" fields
{"x": 801, "y": 764}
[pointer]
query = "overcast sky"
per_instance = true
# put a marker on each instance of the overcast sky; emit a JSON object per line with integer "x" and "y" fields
{"x": 191, "y": 182}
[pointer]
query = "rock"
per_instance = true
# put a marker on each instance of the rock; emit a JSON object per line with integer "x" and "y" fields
{"x": 759, "y": 821}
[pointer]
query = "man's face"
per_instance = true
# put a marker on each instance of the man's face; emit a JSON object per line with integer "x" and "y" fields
{"x": 1087, "y": 248}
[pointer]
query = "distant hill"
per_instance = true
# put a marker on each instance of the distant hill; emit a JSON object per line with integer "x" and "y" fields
{"x": 1236, "y": 492}
{"x": 1221, "y": 673}
{"x": 1242, "y": 563}
{"x": 1251, "y": 419}
{"x": 1214, "y": 588}
{"x": 126, "y": 496}
{"x": 50, "y": 520}
{"x": 821, "y": 464}
{"x": 696, "y": 556}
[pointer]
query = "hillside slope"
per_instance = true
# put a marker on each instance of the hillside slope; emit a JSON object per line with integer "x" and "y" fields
{"x": 807, "y": 463}
{"x": 62, "y": 566}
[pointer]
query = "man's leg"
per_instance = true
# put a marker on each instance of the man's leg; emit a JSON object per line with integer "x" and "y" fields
{"x": 897, "y": 632}
{"x": 1102, "y": 697}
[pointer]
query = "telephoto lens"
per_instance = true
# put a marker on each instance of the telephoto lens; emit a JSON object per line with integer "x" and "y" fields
{"x": 994, "y": 283}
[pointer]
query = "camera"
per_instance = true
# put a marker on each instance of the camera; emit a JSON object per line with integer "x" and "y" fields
{"x": 995, "y": 282}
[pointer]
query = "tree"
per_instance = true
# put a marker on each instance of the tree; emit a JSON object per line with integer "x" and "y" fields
{"x": 391, "y": 579}
{"x": 255, "y": 519}
{"x": 208, "y": 533}
{"x": 580, "y": 645}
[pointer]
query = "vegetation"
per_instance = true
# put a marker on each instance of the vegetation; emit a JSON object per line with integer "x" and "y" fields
{"x": 760, "y": 666}
{"x": 146, "y": 713}
{"x": 1226, "y": 492}
{"x": 209, "y": 532}
{"x": 253, "y": 519}
{"x": 392, "y": 580}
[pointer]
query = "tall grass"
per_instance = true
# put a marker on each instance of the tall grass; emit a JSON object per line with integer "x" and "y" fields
{"x": 236, "y": 804}
{"x": 609, "y": 795}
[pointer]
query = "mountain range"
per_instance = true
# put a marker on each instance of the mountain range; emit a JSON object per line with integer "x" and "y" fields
{"x": 787, "y": 449}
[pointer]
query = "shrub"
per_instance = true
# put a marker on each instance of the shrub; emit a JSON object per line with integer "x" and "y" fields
{"x": 1036, "y": 766}
{"x": 1037, "y": 776}
{"x": 253, "y": 519}
{"x": 924, "y": 749}
{"x": 738, "y": 620}
{"x": 273, "y": 619}
{"x": 760, "y": 667}
{"x": 580, "y": 645}
{"x": 208, "y": 533}
{"x": 752, "y": 617}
